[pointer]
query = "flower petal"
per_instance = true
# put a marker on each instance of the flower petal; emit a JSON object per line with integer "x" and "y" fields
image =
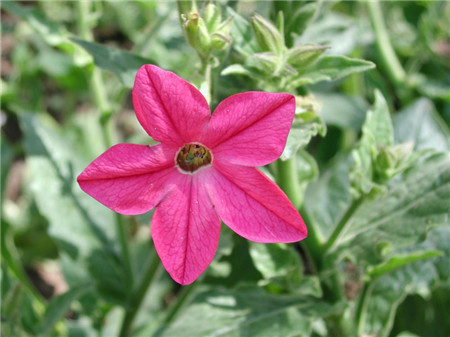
{"x": 253, "y": 206}
{"x": 128, "y": 178}
{"x": 171, "y": 110}
{"x": 250, "y": 128}
{"x": 185, "y": 229}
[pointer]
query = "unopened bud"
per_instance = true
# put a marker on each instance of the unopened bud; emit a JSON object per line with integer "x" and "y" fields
{"x": 197, "y": 34}
{"x": 267, "y": 35}
{"x": 221, "y": 37}
{"x": 212, "y": 17}
{"x": 301, "y": 56}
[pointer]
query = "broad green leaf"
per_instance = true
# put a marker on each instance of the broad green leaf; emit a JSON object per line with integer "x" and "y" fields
{"x": 418, "y": 200}
{"x": 241, "y": 33}
{"x": 390, "y": 290}
{"x": 78, "y": 224}
{"x": 122, "y": 63}
{"x": 300, "y": 135}
{"x": 346, "y": 112}
{"x": 275, "y": 259}
{"x": 333, "y": 190}
{"x": 76, "y": 221}
{"x": 247, "y": 312}
{"x": 420, "y": 123}
{"x": 59, "y": 306}
{"x": 330, "y": 68}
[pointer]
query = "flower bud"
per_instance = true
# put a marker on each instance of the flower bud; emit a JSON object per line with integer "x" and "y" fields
{"x": 197, "y": 34}
{"x": 267, "y": 35}
{"x": 392, "y": 160}
{"x": 221, "y": 37}
{"x": 301, "y": 56}
{"x": 212, "y": 17}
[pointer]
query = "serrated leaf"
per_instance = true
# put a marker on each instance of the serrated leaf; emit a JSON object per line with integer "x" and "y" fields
{"x": 330, "y": 68}
{"x": 247, "y": 312}
{"x": 301, "y": 134}
{"x": 420, "y": 123}
{"x": 122, "y": 63}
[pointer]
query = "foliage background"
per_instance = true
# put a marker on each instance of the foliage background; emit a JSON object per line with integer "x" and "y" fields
{"x": 64, "y": 100}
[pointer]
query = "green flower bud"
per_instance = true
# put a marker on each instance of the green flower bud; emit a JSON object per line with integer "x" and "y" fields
{"x": 221, "y": 37}
{"x": 267, "y": 35}
{"x": 301, "y": 56}
{"x": 212, "y": 17}
{"x": 197, "y": 34}
{"x": 268, "y": 62}
{"x": 392, "y": 160}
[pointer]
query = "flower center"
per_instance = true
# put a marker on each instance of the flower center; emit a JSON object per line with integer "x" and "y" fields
{"x": 193, "y": 156}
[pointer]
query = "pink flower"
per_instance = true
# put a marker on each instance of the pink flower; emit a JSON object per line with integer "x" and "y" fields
{"x": 202, "y": 172}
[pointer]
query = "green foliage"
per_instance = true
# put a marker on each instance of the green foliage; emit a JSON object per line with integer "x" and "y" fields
{"x": 373, "y": 189}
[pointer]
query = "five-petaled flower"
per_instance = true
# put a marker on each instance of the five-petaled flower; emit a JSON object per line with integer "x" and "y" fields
{"x": 203, "y": 170}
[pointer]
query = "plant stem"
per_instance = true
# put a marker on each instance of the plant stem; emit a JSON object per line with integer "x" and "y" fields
{"x": 361, "y": 311}
{"x": 342, "y": 223}
{"x": 138, "y": 296}
{"x": 96, "y": 80}
{"x": 389, "y": 58}
{"x": 182, "y": 298}
{"x": 287, "y": 178}
{"x": 312, "y": 243}
{"x": 126, "y": 260}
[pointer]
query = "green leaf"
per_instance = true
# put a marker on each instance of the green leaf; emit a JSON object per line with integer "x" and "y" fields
{"x": 333, "y": 190}
{"x": 397, "y": 261}
{"x": 241, "y": 34}
{"x": 389, "y": 291}
{"x": 420, "y": 123}
{"x": 377, "y": 133}
{"x": 124, "y": 64}
{"x": 302, "y": 16}
{"x": 418, "y": 200}
{"x": 275, "y": 259}
{"x": 330, "y": 68}
{"x": 77, "y": 223}
{"x": 301, "y": 133}
{"x": 247, "y": 312}
{"x": 346, "y": 112}
{"x": 378, "y": 124}
{"x": 59, "y": 306}
{"x": 50, "y": 31}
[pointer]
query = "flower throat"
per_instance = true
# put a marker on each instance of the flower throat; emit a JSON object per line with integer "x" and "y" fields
{"x": 193, "y": 156}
